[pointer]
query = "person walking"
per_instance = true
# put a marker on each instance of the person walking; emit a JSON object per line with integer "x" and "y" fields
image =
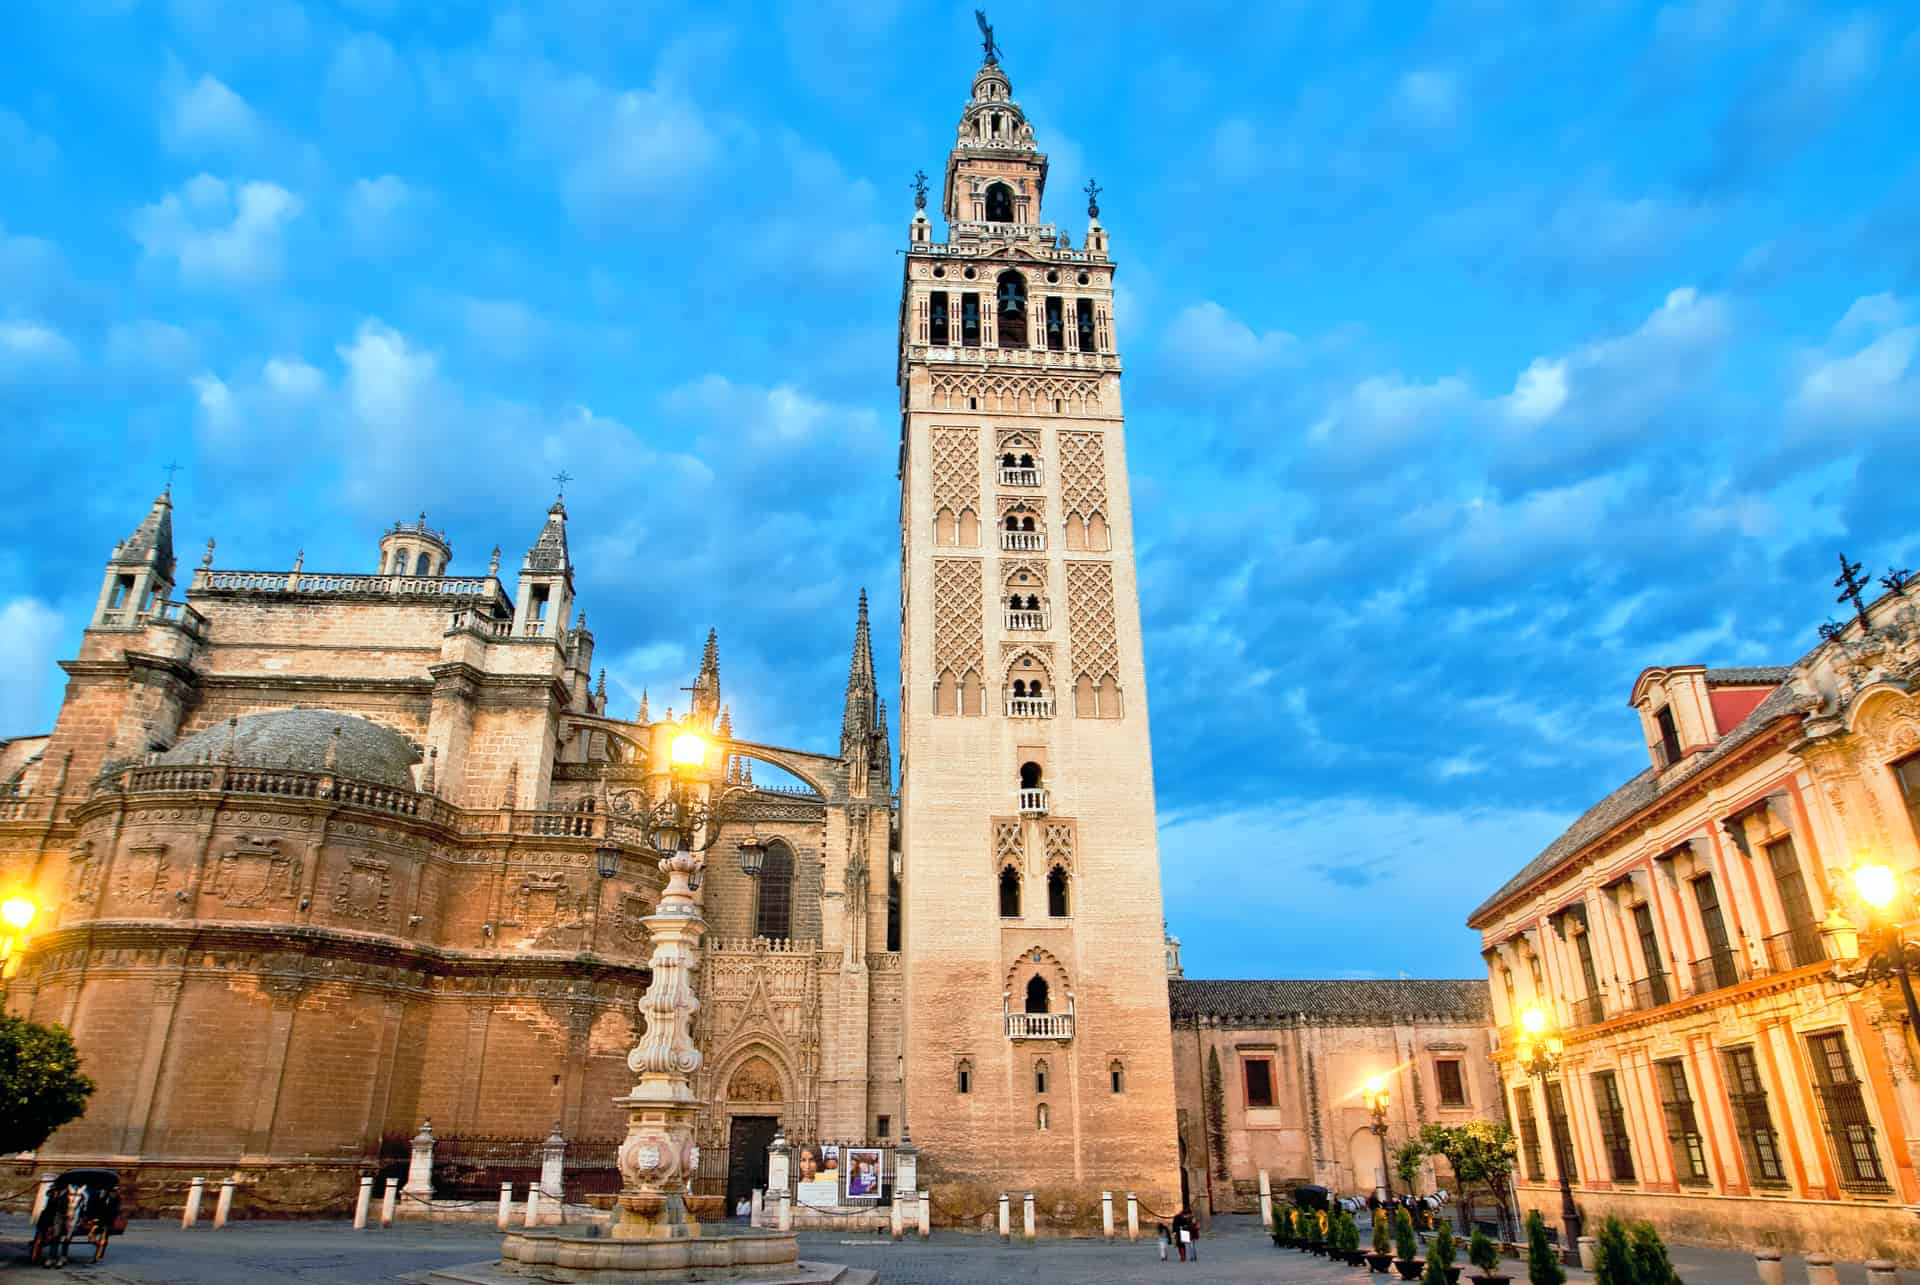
{"x": 1166, "y": 1238}
{"x": 1180, "y": 1236}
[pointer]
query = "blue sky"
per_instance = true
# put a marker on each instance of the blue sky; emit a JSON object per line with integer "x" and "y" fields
{"x": 1477, "y": 357}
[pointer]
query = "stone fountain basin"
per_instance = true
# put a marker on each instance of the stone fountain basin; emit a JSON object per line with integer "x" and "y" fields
{"x": 564, "y": 1254}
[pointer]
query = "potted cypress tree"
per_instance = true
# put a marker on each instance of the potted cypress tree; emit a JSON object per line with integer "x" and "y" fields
{"x": 1485, "y": 1255}
{"x": 1543, "y": 1261}
{"x": 1380, "y": 1259}
{"x": 1406, "y": 1248}
{"x": 1440, "y": 1269}
{"x": 1282, "y": 1227}
{"x": 1613, "y": 1255}
{"x": 1317, "y": 1232}
{"x": 1346, "y": 1237}
{"x": 1648, "y": 1253}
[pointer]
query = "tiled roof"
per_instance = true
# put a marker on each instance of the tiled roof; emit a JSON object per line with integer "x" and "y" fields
{"x": 1643, "y": 789}
{"x": 1236, "y": 1001}
{"x": 1748, "y": 676}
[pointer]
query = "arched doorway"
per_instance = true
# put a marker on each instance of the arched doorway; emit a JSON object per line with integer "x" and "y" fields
{"x": 754, "y": 1097}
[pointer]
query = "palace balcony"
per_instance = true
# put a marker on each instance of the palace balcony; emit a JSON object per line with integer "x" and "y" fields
{"x": 1033, "y": 803}
{"x": 1039, "y": 1026}
{"x": 1025, "y": 619}
{"x": 1717, "y": 971}
{"x": 1023, "y": 541}
{"x": 1019, "y": 476}
{"x": 1029, "y": 707}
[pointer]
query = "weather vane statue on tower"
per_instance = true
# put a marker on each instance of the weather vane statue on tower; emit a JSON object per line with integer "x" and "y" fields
{"x": 986, "y": 38}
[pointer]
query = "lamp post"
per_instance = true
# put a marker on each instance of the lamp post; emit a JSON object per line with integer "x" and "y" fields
{"x": 1377, "y": 1096}
{"x": 1889, "y": 955}
{"x": 1538, "y": 1054}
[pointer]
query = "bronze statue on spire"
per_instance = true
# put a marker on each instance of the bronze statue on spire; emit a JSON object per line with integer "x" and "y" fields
{"x": 986, "y": 38}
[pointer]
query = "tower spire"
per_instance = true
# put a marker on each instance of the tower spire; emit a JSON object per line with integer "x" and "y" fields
{"x": 706, "y": 688}
{"x": 863, "y": 695}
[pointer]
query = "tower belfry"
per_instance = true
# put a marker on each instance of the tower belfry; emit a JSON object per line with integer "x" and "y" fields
{"x": 1037, "y": 1040}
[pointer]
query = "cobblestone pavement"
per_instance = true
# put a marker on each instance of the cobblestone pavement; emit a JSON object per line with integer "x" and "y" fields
{"x": 281, "y": 1253}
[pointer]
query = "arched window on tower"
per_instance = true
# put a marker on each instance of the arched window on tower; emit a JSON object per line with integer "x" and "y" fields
{"x": 1057, "y": 893}
{"x": 1040, "y": 1076}
{"x": 1026, "y": 523}
{"x": 963, "y": 1075}
{"x": 1013, "y": 522}
{"x": 1019, "y": 687}
{"x": 1029, "y": 776}
{"x": 1117, "y": 1075}
{"x": 1010, "y": 302}
{"x": 1086, "y": 703}
{"x": 1009, "y": 893}
{"x": 946, "y": 694}
{"x": 999, "y": 201}
{"x": 421, "y": 566}
{"x": 399, "y": 566}
{"x": 773, "y": 918}
{"x": 1038, "y": 998}
{"x": 1040, "y": 1118}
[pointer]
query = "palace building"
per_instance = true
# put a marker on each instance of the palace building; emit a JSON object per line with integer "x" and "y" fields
{"x": 1694, "y": 945}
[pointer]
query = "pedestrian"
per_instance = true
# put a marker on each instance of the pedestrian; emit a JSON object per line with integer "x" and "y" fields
{"x": 1166, "y": 1238}
{"x": 1180, "y": 1236}
{"x": 1189, "y": 1251}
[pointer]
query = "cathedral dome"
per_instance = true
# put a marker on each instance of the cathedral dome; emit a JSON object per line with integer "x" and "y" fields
{"x": 299, "y": 738}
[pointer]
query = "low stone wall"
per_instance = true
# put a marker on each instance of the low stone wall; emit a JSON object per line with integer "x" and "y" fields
{"x": 1848, "y": 1230}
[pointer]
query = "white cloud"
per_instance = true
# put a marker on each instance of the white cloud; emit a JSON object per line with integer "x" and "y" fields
{"x": 1873, "y": 383}
{"x": 1383, "y": 413}
{"x": 149, "y": 346}
{"x": 1539, "y": 392}
{"x": 281, "y": 400}
{"x": 31, "y": 345}
{"x": 209, "y": 114}
{"x": 1211, "y": 341}
{"x": 30, "y": 632}
{"x": 1618, "y": 377}
{"x": 217, "y": 233}
{"x": 378, "y": 210}
{"x": 24, "y": 148}
{"x": 504, "y": 328}
{"x": 1427, "y": 97}
{"x": 777, "y": 416}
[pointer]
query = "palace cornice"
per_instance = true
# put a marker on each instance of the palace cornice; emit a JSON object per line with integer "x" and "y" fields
{"x": 1687, "y": 794}
{"x": 130, "y": 661}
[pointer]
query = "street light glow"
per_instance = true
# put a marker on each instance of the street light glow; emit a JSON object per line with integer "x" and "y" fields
{"x": 1875, "y": 884}
{"x": 18, "y": 912}
{"x": 1532, "y": 1020}
{"x": 689, "y": 749}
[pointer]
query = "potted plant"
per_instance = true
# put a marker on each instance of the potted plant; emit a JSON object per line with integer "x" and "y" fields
{"x": 1485, "y": 1255}
{"x": 1316, "y": 1232}
{"x": 1651, "y": 1266}
{"x": 1440, "y": 1269}
{"x": 1282, "y": 1227}
{"x": 1543, "y": 1261}
{"x": 1380, "y": 1259}
{"x": 1406, "y": 1249}
{"x": 1355, "y": 1255}
{"x": 1613, "y": 1255}
{"x": 1341, "y": 1249}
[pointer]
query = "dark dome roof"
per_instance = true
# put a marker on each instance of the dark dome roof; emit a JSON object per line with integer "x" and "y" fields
{"x": 297, "y": 738}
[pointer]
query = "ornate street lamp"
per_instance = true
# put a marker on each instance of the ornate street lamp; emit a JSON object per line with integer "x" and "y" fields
{"x": 1889, "y": 955}
{"x": 16, "y": 913}
{"x": 1377, "y": 1097}
{"x": 684, "y": 823}
{"x": 1537, "y": 1053}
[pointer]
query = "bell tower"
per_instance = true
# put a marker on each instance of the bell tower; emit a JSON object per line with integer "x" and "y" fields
{"x": 1038, "y": 1049}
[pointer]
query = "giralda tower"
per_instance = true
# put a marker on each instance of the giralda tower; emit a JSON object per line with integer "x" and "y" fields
{"x": 1037, "y": 1043}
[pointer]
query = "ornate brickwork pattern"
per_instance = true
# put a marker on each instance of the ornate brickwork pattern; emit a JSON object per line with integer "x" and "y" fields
{"x": 1009, "y": 844}
{"x": 1035, "y": 571}
{"x": 1083, "y": 475}
{"x": 959, "y": 642}
{"x": 1058, "y": 841}
{"x": 1008, "y": 393}
{"x": 956, "y": 469}
{"x": 1090, "y": 619}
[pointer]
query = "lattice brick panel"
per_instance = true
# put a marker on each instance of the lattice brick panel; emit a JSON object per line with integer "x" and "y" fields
{"x": 956, "y": 469}
{"x": 1007, "y": 393}
{"x": 959, "y": 642}
{"x": 1083, "y": 475}
{"x": 1090, "y": 619}
{"x": 1009, "y": 845}
{"x": 1058, "y": 844}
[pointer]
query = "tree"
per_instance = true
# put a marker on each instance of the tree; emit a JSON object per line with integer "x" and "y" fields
{"x": 1282, "y": 1225}
{"x": 1651, "y": 1266}
{"x": 1483, "y": 1253}
{"x": 1216, "y": 1108}
{"x": 41, "y": 1087}
{"x": 1406, "y": 1162}
{"x": 1543, "y": 1261}
{"x": 1381, "y": 1217}
{"x": 1613, "y": 1256}
{"x": 1480, "y": 1153}
{"x": 1405, "y": 1247}
{"x": 1439, "y": 1257}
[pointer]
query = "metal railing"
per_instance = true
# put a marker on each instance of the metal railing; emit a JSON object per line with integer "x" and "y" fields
{"x": 1033, "y": 802}
{"x": 1588, "y": 1010}
{"x": 1026, "y": 619}
{"x": 1019, "y": 476}
{"x": 1651, "y": 991}
{"x": 1023, "y": 541}
{"x": 1029, "y": 707}
{"x": 1797, "y": 947}
{"x": 1039, "y": 1026}
{"x": 1716, "y": 972}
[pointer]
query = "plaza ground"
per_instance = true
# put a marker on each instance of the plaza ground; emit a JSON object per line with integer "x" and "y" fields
{"x": 158, "y": 1252}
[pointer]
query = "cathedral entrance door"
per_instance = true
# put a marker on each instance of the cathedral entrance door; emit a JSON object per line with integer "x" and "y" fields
{"x": 748, "y": 1137}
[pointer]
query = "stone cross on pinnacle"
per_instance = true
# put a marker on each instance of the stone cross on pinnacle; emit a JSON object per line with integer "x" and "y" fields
{"x": 1093, "y": 190}
{"x": 1850, "y": 583}
{"x": 561, "y": 479}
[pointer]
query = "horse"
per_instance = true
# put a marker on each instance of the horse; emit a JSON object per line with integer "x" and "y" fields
{"x": 53, "y": 1229}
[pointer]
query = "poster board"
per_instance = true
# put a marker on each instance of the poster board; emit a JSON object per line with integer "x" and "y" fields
{"x": 866, "y": 1166}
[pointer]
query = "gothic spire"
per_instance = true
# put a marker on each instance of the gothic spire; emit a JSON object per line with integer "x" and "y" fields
{"x": 706, "y": 688}
{"x": 642, "y": 716}
{"x": 151, "y": 543}
{"x": 863, "y": 694}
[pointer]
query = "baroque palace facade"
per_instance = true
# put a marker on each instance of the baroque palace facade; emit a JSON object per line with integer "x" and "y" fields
{"x": 1688, "y": 940}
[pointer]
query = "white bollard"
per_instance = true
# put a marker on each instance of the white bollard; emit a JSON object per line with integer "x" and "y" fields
{"x": 1106, "y": 1214}
{"x": 1882, "y": 1271}
{"x": 1266, "y": 1202}
{"x": 223, "y": 1207}
{"x": 361, "y": 1203}
{"x": 786, "y": 1211}
{"x": 1133, "y": 1216}
{"x": 191, "y": 1214}
{"x": 926, "y": 1214}
{"x": 1820, "y": 1270}
{"x": 1006, "y": 1230}
{"x": 387, "y": 1202}
{"x": 506, "y": 1205}
{"x": 894, "y": 1217}
{"x": 1026, "y": 1216}
{"x": 1768, "y": 1267}
{"x": 40, "y": 1198}
{"x": 533, "y": 1204}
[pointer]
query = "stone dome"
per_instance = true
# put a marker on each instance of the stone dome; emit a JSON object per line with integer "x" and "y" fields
{"x": 297, "y": 739}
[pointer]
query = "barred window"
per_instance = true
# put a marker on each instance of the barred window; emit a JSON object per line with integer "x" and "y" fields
{"x": 1753, "y": 1118}
{"x": 1453, "y": 1085}
{"x": 1562, "y": 1135}
{"x": 1258, "y": 1072}
{"x": 1683, "y": 1131}
{"x": 1843, "y": 1109}
{"x": 1613, "y": 1126}
{"x": 774, "y": 918}
{"x": 1529, "y": 1133}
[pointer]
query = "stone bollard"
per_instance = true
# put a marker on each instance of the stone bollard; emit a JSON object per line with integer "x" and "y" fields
{"x": 1820, "y": 1270}
{"x": 223, "y": 1207}
{"x": 387, "y": 1202}
{"x": 40, "y": 1197}
{"x": 1026, "y": 1216}
{"x": 1769, "y": 1268}
{"x": 1006, "y": 1230}
{"x": 533, "y": 1205}
{"x": 360, "y": 1204}
{"x": 553, "y": 1167}
{"x": 757, "y": 1208}
{"x": 191, "y": 1214}
{"x": 1266, "y": 1202}
{"x": 786, "y": 1211}
{"x": 506, "y": 1205}
{"x": 1106, "y": 1214}
{"x": 893, "y": 1217}
{"x": 1589, "y": 1252}
{"x": 420, "y": 1163}
{"x": 1882, "y": 1271}
{"x": 926, "y": 1214}
{"x": 1133, "y": 1216}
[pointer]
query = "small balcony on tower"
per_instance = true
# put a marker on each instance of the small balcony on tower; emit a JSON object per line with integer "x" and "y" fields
{"x": 1035, "y": 1020}
{"x": 1019, "y": 475}
{"x": 1029, "y": 707}
{"x": 1033, "y": 803}
{"x": 1023, "y": 541}
{"x": 1023, "y": 619}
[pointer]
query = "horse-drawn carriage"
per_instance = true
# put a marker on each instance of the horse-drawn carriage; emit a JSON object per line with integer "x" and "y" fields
{"x": 82, "y": 1203}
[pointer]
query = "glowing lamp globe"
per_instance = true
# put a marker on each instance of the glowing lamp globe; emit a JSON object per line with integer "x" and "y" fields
{"x": 1532, "y": 1020}
{"x": 1875, "y": 883}
{"x": 17, "y": 912}
{"x": 689, "y": 750}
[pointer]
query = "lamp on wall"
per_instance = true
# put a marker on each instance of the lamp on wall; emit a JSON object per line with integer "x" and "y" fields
{"x": 1537, "y": 1053}
{"x": 681, "y": 825}
{"x": 1880, "y": 951}
{"x": 753, "y": 855}
{"x": 1377, "y": 1096}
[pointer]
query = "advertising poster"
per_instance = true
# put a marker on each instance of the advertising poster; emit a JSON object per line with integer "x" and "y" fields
{"x": 863, "y": 1173}
{"x": 818, "y": 1175}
